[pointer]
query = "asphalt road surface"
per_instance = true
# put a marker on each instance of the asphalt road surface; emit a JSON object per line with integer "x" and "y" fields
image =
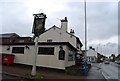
{"x": 110, "y": 71}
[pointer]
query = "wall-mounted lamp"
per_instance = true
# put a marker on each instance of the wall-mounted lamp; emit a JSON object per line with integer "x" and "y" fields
{"x": 27, "y": 47}
{"x": 8, "y": 48}
{"x": 61, "y": 47}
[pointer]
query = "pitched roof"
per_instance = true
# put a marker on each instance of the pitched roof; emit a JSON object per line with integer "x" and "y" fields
{"x": 67, "y": 33}
{"x": 79, "y": 41}
{"x": 9, "y": 35}
{"x": 93, "y": 50}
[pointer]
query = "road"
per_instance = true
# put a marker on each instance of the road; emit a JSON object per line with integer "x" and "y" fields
{"x": 110, "y": 71}
{"x": 98, "y": 71}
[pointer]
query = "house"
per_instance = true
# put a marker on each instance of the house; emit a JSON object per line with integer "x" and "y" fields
{"x": 9, "y": 35}
{"x": 48, "y": 54}
{"x": 13, "y": 38}
{"x": 91, "y": 55}
{"x": 57, "y": 48}
{"x": 55, "y": 34}
{"x": 94, "y": 56}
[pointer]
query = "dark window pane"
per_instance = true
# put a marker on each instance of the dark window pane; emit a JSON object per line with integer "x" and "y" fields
{"x": 61, "y": 55}
{"x": 71, "y": 56}
{"x": 49, "y": 40}
{"x": 18, "y": 50}
{"x": 46, "y": 50}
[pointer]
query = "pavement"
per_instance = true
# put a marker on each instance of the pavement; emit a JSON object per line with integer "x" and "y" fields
{"x": 95, "y": 72}
{"x": 22, "y": 71}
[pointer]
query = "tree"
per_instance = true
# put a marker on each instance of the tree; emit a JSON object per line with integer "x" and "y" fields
{"x": 118, "y": 57}
{"x": 100, "y": 58}
{"x": 112, "y": 57}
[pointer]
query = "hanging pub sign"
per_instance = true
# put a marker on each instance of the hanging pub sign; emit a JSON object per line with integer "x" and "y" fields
{"x": 39, "y": 24}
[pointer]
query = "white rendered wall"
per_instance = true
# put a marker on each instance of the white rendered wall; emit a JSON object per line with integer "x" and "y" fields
{"x": 50, "y": 61}
{"x": 64, "y": 26}
{"x": 58, "y": 35}
{"x": 91, "y": 52}
{"x": 67, "y": 62}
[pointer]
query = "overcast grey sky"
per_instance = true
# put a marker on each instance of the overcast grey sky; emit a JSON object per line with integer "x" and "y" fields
{"x": 102, "y": 19}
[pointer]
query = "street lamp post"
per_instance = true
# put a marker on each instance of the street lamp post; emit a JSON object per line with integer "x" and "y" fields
{"x": 85, "y": 56}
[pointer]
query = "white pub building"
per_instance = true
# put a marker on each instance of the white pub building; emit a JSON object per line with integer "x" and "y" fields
{"x": 57, "y": 48}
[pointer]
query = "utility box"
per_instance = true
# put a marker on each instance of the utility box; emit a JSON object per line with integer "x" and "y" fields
{"x": 7, "y": 59}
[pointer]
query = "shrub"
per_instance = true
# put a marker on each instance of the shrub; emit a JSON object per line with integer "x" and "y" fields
{"x": 76, "y": 70}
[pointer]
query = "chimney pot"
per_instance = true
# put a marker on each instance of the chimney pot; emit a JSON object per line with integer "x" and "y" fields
{"x": 72, "y": 32}
{"x": 90, "y": 47}
{"x": 93, "y": 48}
{"x": 66, "y": 18}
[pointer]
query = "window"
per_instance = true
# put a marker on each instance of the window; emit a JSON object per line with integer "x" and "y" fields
{"x": 18, "y": 50}
{"x": 71, "y": 56}
{"x": 92, "y": 59}
{"x": 21, "y": 41}
{"x": 12, "y": 40}
{"x": 49, "y": 40}
{"x": 88, "y": 59}
{"x": 46, "y": 50}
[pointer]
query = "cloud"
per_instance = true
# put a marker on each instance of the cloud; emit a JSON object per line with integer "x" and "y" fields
{"x": 108, "y": 47}
{"x": 102, "y": 17}
{"x": 102, "y": 22}
{"x": 14, "y": 18}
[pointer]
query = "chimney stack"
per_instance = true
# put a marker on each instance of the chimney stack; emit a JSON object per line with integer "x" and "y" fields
{"x": 64, "y": 24}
